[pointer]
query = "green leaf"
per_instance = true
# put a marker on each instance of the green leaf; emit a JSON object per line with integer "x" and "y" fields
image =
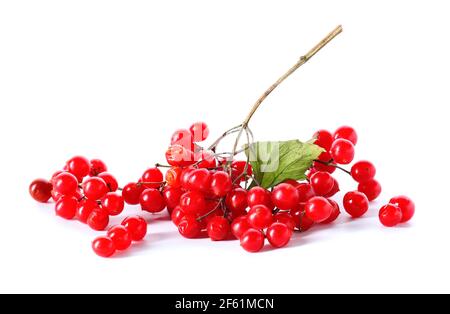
{"x": 275, "y": 162}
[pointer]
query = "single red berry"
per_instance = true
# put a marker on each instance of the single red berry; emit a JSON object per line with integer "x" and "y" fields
{"x": 41, "y": 190}
{"x": 278, "y": 235}
{"x": 236, "y": 200}
{"x": 318, "y": 209}
{"x": 241, "y": 169}
{"x": 390, "y": 215}
{"x": 324, "y": 163}
{"x": 173, "y": 177}
{"x": 132, "y": 193}
{"x": 65, "y": 183}
{"x": 259, "y": 196}
{"x": 292, "y": 182}
{"x": 260, "y": 217}
{"x": 322, "y": 183}
{"x": 220, "y": 184}
{"x": 66, "y": 207}
{"x": 152, "y": 201}
{"x": 252, "y": 240}
{"x": 239, "y": 226}
{"x": 199, "y": 180}
{"x": 324, "y": 139}
{"x": 372, "y": 189}
{"x": 302, "y": 222}
{"x": 179, "y": 156}
{"x": 85, "y": 209}
{"x": 199, "y": 131}
{"x": 95, "y": 188}
{"x": 97, "y": 167}
{"x": 193, "y": 202}
{"x": 120, "y": 236}
{"x": 152, "y": 178}
{"x": 356, "y": 204}
{"x": 183, "y": 138}
{"x": 98, "y": 219}
{"x": 285, "y": 196}
{"x": 104, "y": 247}
{"x": 305, "y": 192}
{"x": 334, "y": 215}
{"x": 189, "y": 227}
{"x": 136, "y": 226}
{"x": 110, "y": 180}
{"x": 342, "y": 151}
{"x": 79, "y": 166}
{"x": 177, "y": 215}
{"x": 286, "y": 219}
{"x": 363, "y": 171}
{"x": 406, "y": 205}
{"x": 113, "y": 203}
{"x": 218, "y": 228}
{"x": 347, "y": 133}
{"x": 172, "y": 196}
{"x": 336, "y": 189}
{"x": 185, "y": 175}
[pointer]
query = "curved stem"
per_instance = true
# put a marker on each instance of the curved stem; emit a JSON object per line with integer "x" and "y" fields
{"x": 332, "y": 164}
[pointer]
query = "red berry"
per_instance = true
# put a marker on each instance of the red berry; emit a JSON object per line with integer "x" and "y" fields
{"x": 238, "y": 168}
{"x": 356, "y": 204}
{"x": 292, "y": 182}
{"x": 279, "y": 235}
{"x": 179, "y": 156}
{"x": 286, "y": 219}
{"x": 113, "y": 203}
{"x": 185, "y": 175}
{"x": 152, "y": 178}
{"x": 66, "y": 207}
{"x": 406, "y": 205}
{"x": 189, "y": 227}
{"x": 98, "y": 219}
{"x": 305, "y": 192}
{"x": 218, "y": 228}
{"x": 136, "y": 226}
{"x": 65, "y": 183}
{"x": 347, "y": 133}
{"x": 85, "y": 209}
{"x": 252, "y": 240}
{"x": 199, "y": 180}
{"x": 177, "y": 215}
{"x": 239, "y": 226}
{"x": 318, "y": 209}
{"x": 110, "y": 181}
{"x": 302, "y": 222}
{"x": 199, "y": 131}
{"x": 285, "y": 196}
{"x": 325, "y": 157}
{"x": 322, "y": 183}
{"x": 335, "y": 214}
{"x": 342, "y": 151}
{"x": 259, "y": 196}
{"x": 173, "y": 177}
{"x": 95, "y": 188}
{"x": 372, "y": 189}
{"x": 205, "y": 159}
{"x": 97, "y": 167}
{"x": 324, "y": 139}
{"x": 236, "y": 200}
{"x": 363, "y": 171}
{"x": 79, "y": 166}
{"x": 183, "y": 138}
{"x": 390, "y": 215}
{"x": 41, "y": 190}
{"x": 193, "y": 202}
{"x": 131, "y": 193}
{"x": 172, "y": 196}
{"x": 103, "y": 247}
{"x": 336, "y": 188}
{"x": 120, "y": 236}
{"x": 220, "y": 184}
{"x": 152, "y": 201}
{"x": 260, "y": 217}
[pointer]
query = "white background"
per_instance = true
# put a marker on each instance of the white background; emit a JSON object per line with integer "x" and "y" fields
{"x": 113, "y": 79}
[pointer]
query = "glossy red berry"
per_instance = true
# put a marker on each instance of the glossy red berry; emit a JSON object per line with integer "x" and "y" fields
{"x": 363, "y": 171}
{"x": 183, "y": 138}
{"x": 356, "y": 204}
{"x": 279, "y": 235}
{"x": 336, "y": 188}
{"x": 335, "y": 214}
{"x": 85, "y": 209}
{"x": 218, "y": 228}
{"x": 41, "y": 190}
{"x": 179, "y": 156}
{"x": 325, "y": 163}
{"x": 406, "y": 205}
{"x": 259, "y": 196}
{"x": 236, "y": 200}
{"x": 65, "y": 183}
{"x": 136, "y": 226}
{"x": 252, "y": 240}
{"x": 241, "y": 169}
{"x": 220, "y": 184}
{"x": 302, "y": 222}
{"x": 324, "y": 139}
{"x": 239, "y": 226}
{"x": 193, "y": 202}
{"x": 318, "y": 209}
{"x": 172, "y": 196}
{"x": 285, "y": 196}
{"x": 173, "y": 177}
{"x": 152, "y": 201}
{"x": 113, "y": 203}
{"x": 286, "y": 219}
{"x": 390, "y": 215}
{"x": 305, "y": 192}
{"x": 322, "y": 183}
{"x": 98, "y": 219}
{"x": 199, "y": 131}
{"x": 189, "y": 227}
{"x": 132, "y": 193}
{"x": 66, "y": 207}
{"x": 110, "y": 180}
{"x": 152, "y": 178}
{"x": 347, "y": 133}
{"x": 104, "y": 247}
{"x": 205, "y": 159}
{"x": 97, "y": 166}
{"x": 260, "y": 217}
{"x": 342, "y": 151}
{"x": 120, "y": 236}
{"x": 79, "y": 166}
{"x": 95, "y": 188}
{"x": 177, "y": 215}
{"x": 372, "y": 189}
{"x": 199, "y": 180}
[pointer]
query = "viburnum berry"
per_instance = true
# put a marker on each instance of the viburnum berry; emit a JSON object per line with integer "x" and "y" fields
{"x": 132, "y": 193}
{"x": 173, "y": 177}
{"x": 318, "y": 209}
{"x": 183, "y": 138}
{"x": 372, "y": 189}
{"x": 189, "y": 227}
{"x": 406, "y": 205}
{"x": 110, "y": 180}
{"x": 199, "y": 131}
{"x": 97, "y": 166}
{"x": 136, "y": 226}
{"x": 85, "y": 209}
{"x": 285, "y": 218}
{"x": 193, "y": 202}
{"x": 79, "y": 166}
{"x": 335, "y": 214}
{"x": 236, "y": 200}
{"x": 260, "y": 217}
{"x": 324, "y": 163}
{"x": 113, "y": 203}
{"x": 66, "y": 207}
{"x": 305, "y": 192}
{"x": 95, "y": 188}
{"x": 239, "y": 226}
{"x": 172, "y": 196}
{"x": 239, "y": 168}
{"x": 342, "y": 151}
{"x": 98, "y": 219}
{"x": 259, "y": 196}
{"x": 152, "y": 201}
{"x": 104, "y": 246}
{"x": 363, "y": 171}
{"x": 177, "y": 215}
{"x": 278, "y": 235}
{"x": 302, "y": 222}
{"x": 322, "y": 183}
{"x": 185, "y": 175}
{"x": 199, "y": 180}
{"x": 324, "y": 139}
{"x": 218, "y": 228}
{"x": 252, "y": 240}
{"x": 41, "y": 190}
{"x": 292, "y": 182}
{"x": 390, "y": 215}
{"x": 65, "y": 183}
{"x": 356, "y": 204}
{"x": 205, "y": 159}
{"x": 285, "y": 196}
{"x": 336, "y": 188}
{"x": 220, "y": 184}
{"x": 347, "y": 133}
{"x": 120, "y": 236}
{"x": 152, "y": 178}
{"x": 179, "y": 156}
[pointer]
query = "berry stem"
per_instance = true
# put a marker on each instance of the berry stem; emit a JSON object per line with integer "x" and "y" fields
{"x": 158, "y": 165}
{"x": 211, "y": 211}
{"x": 332, "y": 164}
